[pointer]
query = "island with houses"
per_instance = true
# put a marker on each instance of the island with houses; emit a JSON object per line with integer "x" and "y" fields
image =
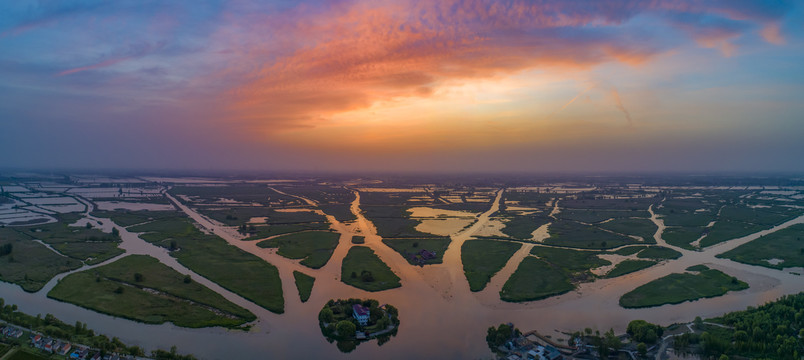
{"x": 353, "y": 321}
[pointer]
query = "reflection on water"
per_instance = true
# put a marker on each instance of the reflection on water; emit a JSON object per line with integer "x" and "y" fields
{"x": 440, "y": 317}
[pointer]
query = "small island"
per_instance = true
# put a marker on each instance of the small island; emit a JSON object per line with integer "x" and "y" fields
{"x": 353, "y": 321}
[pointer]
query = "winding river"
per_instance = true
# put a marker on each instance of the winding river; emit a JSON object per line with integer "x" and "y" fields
{"x": 440, "y": 317}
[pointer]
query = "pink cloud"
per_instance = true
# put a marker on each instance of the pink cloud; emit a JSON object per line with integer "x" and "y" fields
{"x": 306, "y": 64}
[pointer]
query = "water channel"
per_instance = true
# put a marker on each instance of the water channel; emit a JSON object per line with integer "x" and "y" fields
{"x": 440, "y": 317}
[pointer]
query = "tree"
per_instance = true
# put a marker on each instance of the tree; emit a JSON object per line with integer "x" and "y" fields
{"x": 698, "y": 323}
{"x": 138, "y": 277}
{"x": 6, "y": 249}
{"x": 345, "y": 329}
{"x": 88, "y": 225}
{"x": 119, "y": 290}
{"x": 642, "y": 349}
{"x": 115, "y": 232}
{"x": 326, "y": 315}
{"x": 173, "y": 245}
{"x": 187, "y": 279}
{"x": 643, "y": 331}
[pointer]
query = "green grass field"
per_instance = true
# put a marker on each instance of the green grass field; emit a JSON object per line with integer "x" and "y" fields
{"x": 264, "y": 231}
{"x": 574, "y": 262}
{"x": 30, "y": 264}
{"x": 628, "y": 266}
{"x": 522, "y": 226}
{"x": 161, "y": 295}
{"x": 484, "y": 258}
{"x": 20, "y": 354}
{"x": 786, "y": 245}
{"x": 304, "y": 283}
{"x": 678, "y": 288}
{"x": 591, "y": 216}
{"x": 410, "y": 247}
{"x": 126, "y": 218}
{"x": 210, "y": 256}
{"x": 356, "y": 239}
{"x": 314, "y": 247}
{"x": 725, "y": 230}
{"x": 234, "y": 269}
{"x": 574, "y": 234}
{"x": 640, "y": 227}
{"x": 659, "y": 253}
{"x": 77, "y": 242}
{"x": 682, "y": 236}
{"x": 363, "y": 269}
{"x": 535, "y": 279}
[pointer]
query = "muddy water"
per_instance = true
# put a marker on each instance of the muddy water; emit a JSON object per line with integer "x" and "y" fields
{"x": 440, "y": 318}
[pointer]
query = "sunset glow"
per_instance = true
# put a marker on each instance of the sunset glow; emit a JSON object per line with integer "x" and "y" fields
{"x": 390, "y": 85}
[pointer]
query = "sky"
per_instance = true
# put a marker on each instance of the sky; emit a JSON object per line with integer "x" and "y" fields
{"x": 448, "y": 85}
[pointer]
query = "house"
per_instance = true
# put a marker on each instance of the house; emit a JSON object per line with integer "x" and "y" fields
{"x": 361, "y": 314}
{"x": 427, "y": 255}
{"x": 65, "y": 348}
{"x": 552, "y": 353}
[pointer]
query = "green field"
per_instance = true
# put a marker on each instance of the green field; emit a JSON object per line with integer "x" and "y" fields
{"x": 211, "y": 257}
{"x": 726, "y": 230}
{"x": 640, "y": 227}
{"x": 409, "y": 248}
{"x": 264, "y": 231}
{"x": 126, "y": 218}
{"x": 363, "y": 269}
{"x": 304, "y": 283}
{"x": 535, "y": 279}
{"x": 786, "y": 245}
{"x": 20, "y": 354}
{"x": 356, "y": 239}
{"x": 77, "y": 242}
{"x": 158, "y": 294}
{"x": 314, "y": 247}
{"x": 682, "y": 236}
{"x": 697, "y": 268}
{"x": 678, "y": 288}
{"x": 393, "y": 221}
{"x": 522, "y": 226}
{"x": 574, "y": 262}
{"x": 30, "y": 264}
{"x": 591, "y": 216}
{"x": 628, "y": 266}
{"x": 659, "y": 253}
{"x": 484, "y": 258}
{"x": 574, "y": 234}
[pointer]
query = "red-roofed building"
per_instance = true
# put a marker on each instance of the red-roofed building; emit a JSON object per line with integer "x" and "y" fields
{"x": 361, "y": 314}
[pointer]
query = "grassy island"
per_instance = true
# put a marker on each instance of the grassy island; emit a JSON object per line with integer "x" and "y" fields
{"x": 139, "y": 287}
{"x": 420, "y": 251}
{"x": 628, "y": 266}
{"x": 777, "y": 250}
{"x": 535, "y": 279}
{"x": 314, "y": 247}
{"x": 304, "y": 283}
{"x": 484, "y": 258}
{"x": 678, "y": 288}
{"x": 352, "y": 321}
{"x": 363, "y": 269}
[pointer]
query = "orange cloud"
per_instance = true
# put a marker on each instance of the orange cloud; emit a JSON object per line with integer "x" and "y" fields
{"x": 357, "y": 54}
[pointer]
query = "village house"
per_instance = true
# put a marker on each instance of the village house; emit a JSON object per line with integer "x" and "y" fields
{"x": 361, "y": 314}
